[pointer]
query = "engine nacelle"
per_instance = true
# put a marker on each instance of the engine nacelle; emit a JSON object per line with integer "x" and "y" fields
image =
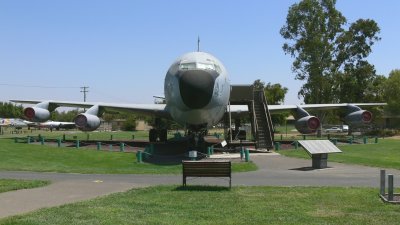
{"x": 36, "y": 114}
{"x": 358, "y": 118}
{"x": 87, "y": 122}
{"x": 307, "y": 124}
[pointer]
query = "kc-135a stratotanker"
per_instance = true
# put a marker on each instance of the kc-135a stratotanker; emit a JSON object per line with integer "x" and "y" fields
{"x": 197, "y": 91}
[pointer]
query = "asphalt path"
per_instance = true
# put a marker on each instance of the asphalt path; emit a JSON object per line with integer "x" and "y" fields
{"x": 274, "y": 170}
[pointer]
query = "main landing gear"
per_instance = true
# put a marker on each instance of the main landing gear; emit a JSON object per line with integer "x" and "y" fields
{"x": 158, "y": 134}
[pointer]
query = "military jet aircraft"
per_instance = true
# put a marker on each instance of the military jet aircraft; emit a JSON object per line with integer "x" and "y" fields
{"x": 197, "y": 92}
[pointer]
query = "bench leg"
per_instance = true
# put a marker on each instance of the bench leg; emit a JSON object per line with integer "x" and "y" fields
{"x": 230, "y": 182}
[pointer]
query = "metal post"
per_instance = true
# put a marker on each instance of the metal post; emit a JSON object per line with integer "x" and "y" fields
{"x": 58, "y": 142}
{"x": 111, "y": 137}
{"x": 277, "y": 145}
{"x": 212, "y": 150}
{"x": 139, "y": 156}
{"x": 247, "y": 155}
{"x": 133, "y": 137}
{"x": 334, "y": 141}
{"x": 390, "y": 187}
{"x": 376, "y": 140}
{"x": 77, "y": 144}
{"x": 42, "y": 140}
{"x": 28, "y": 140}
{"x": 63, "y": 137}
{"x": 350, "y": 140}
{"x": 208, "y": 151}
{"x": 98, "y": 145}
{"x": 304, "y": 137}
{"x": 87, "y": 136}
{"x": 365, "y": 140}
{"x": 383, "y": 182}
{"x": 281, "y": 137}
{"x": 296, "y": 144}
{"x": 230, "y": 122}
{"x": 15, "y": 140}
{"x": 111, "y": 147}
{"x": 122, "y": 147}
{"x": 241, "y": 152}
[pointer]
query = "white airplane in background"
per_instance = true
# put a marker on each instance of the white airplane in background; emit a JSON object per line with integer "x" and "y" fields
{"x": 197, "y": 92}
{"x": 19, "y": 123}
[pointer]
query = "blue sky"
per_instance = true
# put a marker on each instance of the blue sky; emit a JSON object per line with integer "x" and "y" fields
{"x": 122, "y": 49}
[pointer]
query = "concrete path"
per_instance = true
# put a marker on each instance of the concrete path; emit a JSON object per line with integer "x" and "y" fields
{"x": 273, "y": 170}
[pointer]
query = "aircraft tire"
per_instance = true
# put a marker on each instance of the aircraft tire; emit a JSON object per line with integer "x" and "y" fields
{"x": 153, "y": 135}
{"x": 163, "y": 135}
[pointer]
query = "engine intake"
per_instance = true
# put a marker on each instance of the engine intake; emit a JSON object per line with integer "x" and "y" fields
{"x": 87, "y": 122}
{"x": 307, "y": 124}
{"x": 36, "y": 114}
{"x": 358, "y": 118}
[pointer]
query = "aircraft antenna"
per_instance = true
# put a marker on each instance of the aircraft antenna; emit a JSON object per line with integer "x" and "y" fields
{"x": 198, "y": 43}
{"x": 84, "y": 91}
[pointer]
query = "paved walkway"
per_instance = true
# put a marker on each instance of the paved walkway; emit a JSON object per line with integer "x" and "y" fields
{"x": 274, "y": 170}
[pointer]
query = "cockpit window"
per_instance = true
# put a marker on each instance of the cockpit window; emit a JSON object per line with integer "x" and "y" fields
{"x": 187, "y": 66}
{"x": 205, "y": 66}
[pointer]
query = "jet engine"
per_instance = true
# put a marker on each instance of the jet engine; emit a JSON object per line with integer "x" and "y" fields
{"x": 307, "y": 124}
{"x": 36, "y": 114}
{"x": 87, "y": 122}
{"x": 358, "y": 118}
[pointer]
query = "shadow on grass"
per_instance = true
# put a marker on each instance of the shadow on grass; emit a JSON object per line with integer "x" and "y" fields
{"x": 202, "y": 188}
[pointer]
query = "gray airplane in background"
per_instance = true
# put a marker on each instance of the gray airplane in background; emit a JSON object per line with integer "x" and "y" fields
{"x": 197, "y": 92}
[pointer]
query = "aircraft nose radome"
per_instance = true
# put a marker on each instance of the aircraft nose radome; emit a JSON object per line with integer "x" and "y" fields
{"x": 196, "y": 87}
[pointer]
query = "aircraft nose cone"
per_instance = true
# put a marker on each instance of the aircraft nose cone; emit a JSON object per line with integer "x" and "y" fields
{"x": 196, "y": 87}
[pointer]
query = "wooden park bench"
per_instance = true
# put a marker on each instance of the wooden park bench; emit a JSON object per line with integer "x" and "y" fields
{"x": 220, "y": 168}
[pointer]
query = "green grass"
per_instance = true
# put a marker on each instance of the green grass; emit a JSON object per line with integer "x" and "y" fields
{"x": 218, "y": 205}
{"x": 33, "y": 157}
{"x": 385, "y": 154}
{"x": 12, "y": 185}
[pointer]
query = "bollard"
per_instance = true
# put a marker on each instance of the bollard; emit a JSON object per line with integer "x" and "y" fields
{"x": 15, "y": 140}
{"x": 365, "y": 140}
{"x": 208, "y": 151}
{"x": 122, "y": 147}
{"x": 151, "y": 148}
{"x": 350, "y": 140}
{"x": 376, "y": 140}
{"x": 390, "y": 187}
{"x": 139, "y": 156}
{"x": 111, "y": 147}
{"x": 383, "y": 182}
{"x": 28, "y": 140}
{"x": 87, "y": 136}
{"x": 42, "y": 140}
{"x": 304, "y": 137}
{"x": 296, "y": 144}
{"x": 334, "y": 140}
{"x": 133, "y": 137}
{"x": 111, "y": 137}
{"x": 212, "y": 150}
{"x": 63, "y": 137}
{"x": 247, "y": 155}
{"x": 77, "y": 144}
{"x": 329, "y": 136}
{"x": 58, "y": 142}
{"x": 98, "y": 145}
{"x": 281, "y": 137}
{"x": 277, "y": 145}
{"x": 241, "y": 152}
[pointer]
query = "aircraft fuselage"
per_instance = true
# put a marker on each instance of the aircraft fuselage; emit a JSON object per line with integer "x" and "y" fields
{"x": 197, "y": 90}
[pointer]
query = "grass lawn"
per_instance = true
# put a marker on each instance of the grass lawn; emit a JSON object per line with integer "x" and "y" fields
{"x": 218, "y": 205}
{"x": 12, "y": 185}
{"x": 32, "y": 157}
{"x": 385, "y": 154}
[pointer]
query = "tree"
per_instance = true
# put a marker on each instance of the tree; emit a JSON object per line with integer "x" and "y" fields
{"x": 9, "y": 110}
{"x": 392, "y": 90}
{"x": 328, "y": 57}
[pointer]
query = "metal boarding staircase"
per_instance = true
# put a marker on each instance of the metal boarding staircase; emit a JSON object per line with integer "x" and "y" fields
{"x": 262, "y": 121}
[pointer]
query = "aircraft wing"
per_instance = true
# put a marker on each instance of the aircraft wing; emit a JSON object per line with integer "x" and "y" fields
{"x": 276, "y": 109}
{"x": 147, "y": 109}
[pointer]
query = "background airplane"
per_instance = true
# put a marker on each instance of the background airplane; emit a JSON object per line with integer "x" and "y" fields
{"x": 197, "y": 93}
